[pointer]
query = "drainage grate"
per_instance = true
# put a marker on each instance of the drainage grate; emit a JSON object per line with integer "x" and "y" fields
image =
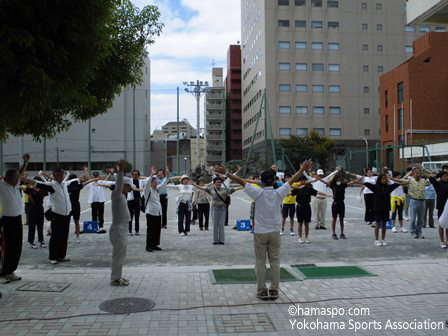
{"x": 127, "y": 305}
{"x": 243, "y": 323}
{"x": 38, "y": 286}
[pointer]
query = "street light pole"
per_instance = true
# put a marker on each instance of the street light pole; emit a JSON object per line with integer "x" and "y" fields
{"x": 185, "y": 164}
{"x": 197, "y": 90}
{"x": 134, "y": 157}
{"x": 367, "y": 150}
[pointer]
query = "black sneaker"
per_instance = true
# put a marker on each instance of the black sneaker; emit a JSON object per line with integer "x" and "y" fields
{"x": 149, "y": 249}
{"x": 342, "y": 236}
{"x": 202, "y": 229}
{"x": 263, "y": 295}
{"x": 323, "y": 228}
{"x": 221, "y": 243}
{"x": 206, "y": 229}
{"x": 157, "y": 248}
{"x": 164, "y": 227}
{"x": 215, "y": 243}
{"x": 334, "y": 236}
{"x": 101, "y": 231}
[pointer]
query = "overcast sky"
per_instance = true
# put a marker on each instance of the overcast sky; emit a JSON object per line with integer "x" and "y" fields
{"x": 196, "y": 34}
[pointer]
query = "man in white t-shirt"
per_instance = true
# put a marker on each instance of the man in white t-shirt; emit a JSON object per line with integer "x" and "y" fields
{"x": 267, "y": 231}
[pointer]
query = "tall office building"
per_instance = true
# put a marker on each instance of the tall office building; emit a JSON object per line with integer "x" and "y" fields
{"x": 319, "y": 62}
{"x": 215, "y": 120}
{"x": 233, "y": 96}
{"x": 112, "y": 137}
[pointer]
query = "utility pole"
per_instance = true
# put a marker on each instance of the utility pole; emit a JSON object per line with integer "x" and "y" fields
{"x": 45, "y": 154}
{"x": 197, "y": 90}
{"x": 134, "y": 157}
{"x": 1, "y": 158}
{"x": 178, "y": 134}
{"x": 89, "y": 164}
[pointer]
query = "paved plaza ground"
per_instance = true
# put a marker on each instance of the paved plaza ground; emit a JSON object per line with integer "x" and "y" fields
{"x": 411, "y": 282}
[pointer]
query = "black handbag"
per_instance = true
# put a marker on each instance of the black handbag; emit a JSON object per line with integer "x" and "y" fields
{"x": 143, "y": 203}
{"x": 49, "y": 215}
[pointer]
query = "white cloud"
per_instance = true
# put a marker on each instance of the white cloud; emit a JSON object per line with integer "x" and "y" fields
{"x": 186, "y": 48}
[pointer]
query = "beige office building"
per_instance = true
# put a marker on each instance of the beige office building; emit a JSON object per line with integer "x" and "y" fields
{"x": 319, "y": 62}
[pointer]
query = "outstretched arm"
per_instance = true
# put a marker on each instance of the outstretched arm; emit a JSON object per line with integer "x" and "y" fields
{"x": 305, "y": 165}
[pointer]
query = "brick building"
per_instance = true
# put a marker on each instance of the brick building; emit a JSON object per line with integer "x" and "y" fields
{"x": 414, "y": 98}
{"x": 233, "y": 113}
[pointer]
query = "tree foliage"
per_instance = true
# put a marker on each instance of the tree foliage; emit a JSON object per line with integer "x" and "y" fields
{"x": 313, "y": 146}
{"x": 64, "y": 61}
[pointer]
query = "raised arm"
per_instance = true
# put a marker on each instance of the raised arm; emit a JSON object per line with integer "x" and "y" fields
{"x": 119, "y": 181}
{"x": 26, "y": 160}
{"x": 309, "y": 178}
{"x": 329, "y": 177}
{"x": 304, "y": 166}
{"x": 89, "y": 181}
{"x": 198, "y": 186}
{"x": 223, "y": 171}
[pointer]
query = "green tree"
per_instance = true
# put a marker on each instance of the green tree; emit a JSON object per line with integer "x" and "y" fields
{"x": 313, "y": 146}
{"x": 64, "y": 61}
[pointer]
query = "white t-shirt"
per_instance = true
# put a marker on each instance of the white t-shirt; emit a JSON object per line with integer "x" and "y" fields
{"x": 267, "y": 206}
{"x": 10, "y": 200}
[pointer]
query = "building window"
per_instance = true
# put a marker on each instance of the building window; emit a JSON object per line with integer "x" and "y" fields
{"x": 317, "y": 46}
{"x": 365, "y": 26}
{"x": 386, "y": 98}
{"x": 334, "y": 67}
{"x": 365, "y": 68}
{"x": 284, "y": 88}
{"x": 301, "y": 88}
{"x": 284, "y": 44}
{"x": 400, "y": 119}
{"x": 316, "y": 3}
{"x": 301, "y": 66}
{"x": 283, "y": 2}
{"x": 333, "y": 4}
{"x": 379, "y": 48}
{"x": 333, "y": 25}
{"x": 283, "y": 23}
{"x": 380, "y": 68}
{"x": 284, "y": 109}
{"x": 300, "y": 45}
{"x": 335, "y": 132}
{"x": 379, "y": 27}
{"x": 318, "y": 88}
{"x": 365, "y": 47}
{"x": 320, "y": 131}
{"x": 318, "y": 67}
{"x": 318, "y": 110}
{"x": 335, "y": 110}
{"x": 285, "y": 131}
{"x": 300, "y": 2}
{"x": 409, "y": 49}
{"x": 387, "y": 123}
{"x": 300, "y": 23}
{"x": 366, "y": 132}
{"x": 284, "y": 66}
{"x": 316, "y": 24}
{"x": 302, "y": 109}
{"x": 440, "y": 29}
{"x": 302, "y": 132}
{"x": 366, "y": 110}
{"x": 379, "y": 6}
{"x": 366, "y": 89}
{"x": 400, "y": 93}
{"x": 333, "y": 46}
{"x": 334, "y": 89}
{"x": 425, "y": 29}
{"x": 409, "y": 29}
{"x": 364, "y": 5}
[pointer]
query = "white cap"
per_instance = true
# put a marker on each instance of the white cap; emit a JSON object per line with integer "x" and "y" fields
{"x": 320, "y": 172}
{"x": 184, "y": 177}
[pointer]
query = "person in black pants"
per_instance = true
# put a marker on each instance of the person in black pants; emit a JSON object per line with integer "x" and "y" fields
{"x": 338, "y": 186}
{"x": 163, "y": 192}
{"x": 381, "y": 193}
{"x": 36, "y": 215}
{"x": 202, "y": 200}
{"x": 134, "y": 202}
{"x": 441, "y": 187}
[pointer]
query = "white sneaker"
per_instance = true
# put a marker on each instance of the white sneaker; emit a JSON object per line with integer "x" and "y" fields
{"x": 53, "y": 262}
{"x": 443, "y": 245}
{"x": 33, "y": 246}
{"x": 3, "y": 280}
{"x": 291, "y": 233}
{"x": 78, "y": 240}
{"x": 404, "y": 230}
{"x": 281, "y": 233}
{"x": 182, "y": 234}
{"x": 307, "y": 241}
{"x": 394, "y": 229}
{"x": 12, "y": 277}
{"x": 406, "y": 218}
{"x": 383, "y": 243}
{"x": 377, "y": 243}
{"x": 301, "y": 241}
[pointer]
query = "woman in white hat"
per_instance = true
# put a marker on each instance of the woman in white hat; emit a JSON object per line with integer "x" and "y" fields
{"x": 184, "y": 204}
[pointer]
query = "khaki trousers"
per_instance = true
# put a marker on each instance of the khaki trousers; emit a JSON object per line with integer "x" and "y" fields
{"x": 320, "y": 208}
{"x": 267, "y": 244}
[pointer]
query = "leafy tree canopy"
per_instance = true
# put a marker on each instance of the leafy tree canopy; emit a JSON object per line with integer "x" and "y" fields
{"x": 313, "y": 146}
{"x": 67, "y": 60}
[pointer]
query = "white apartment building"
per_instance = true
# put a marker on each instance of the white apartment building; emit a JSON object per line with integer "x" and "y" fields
{"x": 319, "y": 62}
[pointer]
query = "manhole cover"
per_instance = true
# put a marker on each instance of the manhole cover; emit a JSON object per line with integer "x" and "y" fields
{"x": 127, "y": 305}
{"x": 243, "y": 323}
{"x": 37, "y": 286}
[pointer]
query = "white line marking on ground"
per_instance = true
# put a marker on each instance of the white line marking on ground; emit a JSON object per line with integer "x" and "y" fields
{"x": 349, "y": 206}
